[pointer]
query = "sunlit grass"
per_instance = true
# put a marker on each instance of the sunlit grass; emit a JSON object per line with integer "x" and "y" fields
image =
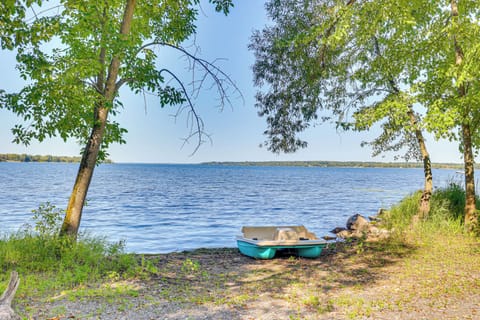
{"x": 445, "y": 216}
{"x": 48, "y": 264}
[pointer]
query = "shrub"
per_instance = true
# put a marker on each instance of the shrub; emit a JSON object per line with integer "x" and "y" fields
{"x": 446, "y": 211}
{"x": 400, "y": 216}
{"x": 62, "y": 262}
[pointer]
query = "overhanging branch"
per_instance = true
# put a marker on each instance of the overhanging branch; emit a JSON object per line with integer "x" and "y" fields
{"x": 219, "y": 77}
{"x": 203, "y": 72}
{"x": 197, "y": 128}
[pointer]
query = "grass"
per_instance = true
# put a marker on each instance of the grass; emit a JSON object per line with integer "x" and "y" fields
{"x": 437, "y": 264}
{"x": 446, "y": 212}
{"x": 48, "y": 264}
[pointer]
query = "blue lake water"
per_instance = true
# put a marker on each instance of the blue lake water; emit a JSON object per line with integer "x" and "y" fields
{"x": 163, "y": 208}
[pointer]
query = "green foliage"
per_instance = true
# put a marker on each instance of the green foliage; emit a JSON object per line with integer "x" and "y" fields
{"x": 399, "y": 217}
{"x": 12, "y": 14}
{"x": 14, "y": 157}
{"x": 291, "y": 73}
{"x": 48, "y": 219}
{"x": 323, "y": 60}
{"x": 190, "y": 266}
{"x": 349, "y": 164}
{"x": 67, "y": 262}
{"x": 373, "y": 61}
{"x": 222, "y": 5}
{"x": 446, "y": 212}
{"x": 449, "y": 201}
{"x": 58, "y": 261}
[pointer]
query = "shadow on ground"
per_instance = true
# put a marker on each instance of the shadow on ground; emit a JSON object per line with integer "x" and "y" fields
{"x": 238, "y": 287}
{"x": 223, "y": 284}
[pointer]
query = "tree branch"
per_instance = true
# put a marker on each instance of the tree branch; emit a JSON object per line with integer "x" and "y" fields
{"x": 197, "y": 121}
{"x": 220, "y": 81}
{"x": 218, "y": 76}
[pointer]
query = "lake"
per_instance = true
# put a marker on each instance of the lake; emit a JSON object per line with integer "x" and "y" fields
{"x": 158, "y": 208}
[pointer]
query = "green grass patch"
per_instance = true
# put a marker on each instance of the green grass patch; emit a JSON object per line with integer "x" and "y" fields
{"x": 446, "y": 212}
{"x": 437, "y": 261}
{"x": 48, "y": 264}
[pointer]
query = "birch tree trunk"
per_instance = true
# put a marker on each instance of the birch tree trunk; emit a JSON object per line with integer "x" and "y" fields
{"x": 471, "y": 218}
{"x": 424, "y": 208}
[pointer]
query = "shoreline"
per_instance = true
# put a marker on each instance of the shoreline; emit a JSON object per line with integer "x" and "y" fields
{"x": 27, "y": 158}
{"x": 336, "y": 164}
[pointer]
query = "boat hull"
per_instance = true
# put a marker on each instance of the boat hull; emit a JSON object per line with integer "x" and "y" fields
{"x": 256, "y": 251}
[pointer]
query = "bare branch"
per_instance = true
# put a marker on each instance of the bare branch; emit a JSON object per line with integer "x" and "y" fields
{"x": 36, "y": 15}
{"x": 202, "y": 72}
{"x": 197, "y": 123}
{"x": 219, "y": 77}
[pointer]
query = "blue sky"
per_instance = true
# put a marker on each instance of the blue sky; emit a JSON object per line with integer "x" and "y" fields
{"x": 155, "y": 136}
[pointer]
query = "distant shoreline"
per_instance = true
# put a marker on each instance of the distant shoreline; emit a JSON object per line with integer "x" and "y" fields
{"x": 11, "y": 157}
{"x": 342, "y": 164}
{"x": 15, "y": 157}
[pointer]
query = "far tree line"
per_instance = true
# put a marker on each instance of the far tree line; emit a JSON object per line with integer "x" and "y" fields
{"x": 343, "y": 164}
{"x": 12, "y": 157}
{"x": 22, "y": 157}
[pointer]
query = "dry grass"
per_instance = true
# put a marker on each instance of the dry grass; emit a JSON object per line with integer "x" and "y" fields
{"x": 437, "y": 277}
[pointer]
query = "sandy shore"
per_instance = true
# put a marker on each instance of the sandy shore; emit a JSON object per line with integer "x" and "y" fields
{"x": 345, "y": 282}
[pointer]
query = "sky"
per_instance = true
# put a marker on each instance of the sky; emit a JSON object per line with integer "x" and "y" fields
{"x": 156, "y": 136}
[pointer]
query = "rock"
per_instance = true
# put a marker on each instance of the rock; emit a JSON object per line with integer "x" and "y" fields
{"x": 357, "y": 222}
{"x": 328, "y": 238}
{"x": 337, "y": 230}
{"x": 359, "y": 227}
{"x": 344, "y": 234}
{"x": 6, "y": 311}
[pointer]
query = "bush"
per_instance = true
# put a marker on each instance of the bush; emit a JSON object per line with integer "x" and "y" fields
{"x": 400, "y": 216}
{"x": 62, "y": 262}
{"x": 446, "y": 211}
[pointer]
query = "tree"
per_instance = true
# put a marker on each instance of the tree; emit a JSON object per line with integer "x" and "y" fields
{"x": 440, "y": 63}
{"x": 73, "y": 88}
{"x": 327, "y": 59}
{"x": 450, "y": 69}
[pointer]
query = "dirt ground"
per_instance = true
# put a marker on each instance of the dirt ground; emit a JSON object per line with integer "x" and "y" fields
{"x": 345, "y": 282}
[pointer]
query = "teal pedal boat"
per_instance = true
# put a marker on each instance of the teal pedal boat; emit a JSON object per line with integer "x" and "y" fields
{"x": 263, "y": 242}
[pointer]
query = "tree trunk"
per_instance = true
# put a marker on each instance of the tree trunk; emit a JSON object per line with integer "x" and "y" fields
{"x": 471, "y": 218}
{"x": 73, "y": 214}
{"x": 424, "y": 208}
